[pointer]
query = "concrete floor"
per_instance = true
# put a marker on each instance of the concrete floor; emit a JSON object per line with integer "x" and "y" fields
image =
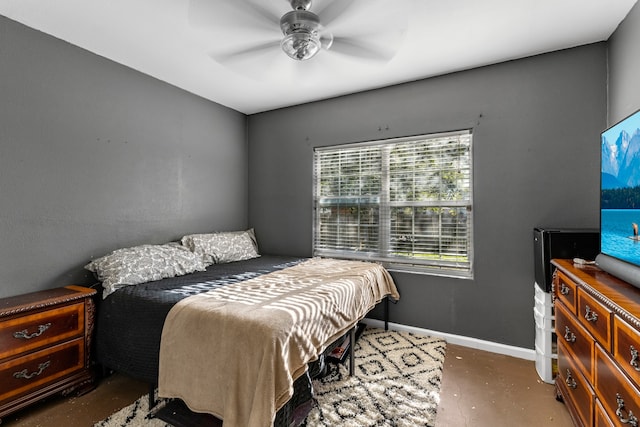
{"x": 482, "y": 389}
{"x": 479, "y": 389}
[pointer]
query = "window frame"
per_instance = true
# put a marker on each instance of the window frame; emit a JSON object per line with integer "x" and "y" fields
{"x": 438, "y": 268}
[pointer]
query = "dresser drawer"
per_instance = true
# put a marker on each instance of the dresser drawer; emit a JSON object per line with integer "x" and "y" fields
{"x": 602, "y": 419}
{"x": 626, "y": 348}
{"x": 565, "y": 291}
{"x": 620, "y": 398}
{"x": 24, "y": 374}
{"x": 575, "y": 388}
{"x": 21, "y": 334}
{"x": 595, "y": 317}
{"x": 576, "y": 339}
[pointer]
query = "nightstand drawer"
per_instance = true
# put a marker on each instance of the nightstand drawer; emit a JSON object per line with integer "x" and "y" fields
{"x": 30, "y": 372}
{"x": 22, "y": 334}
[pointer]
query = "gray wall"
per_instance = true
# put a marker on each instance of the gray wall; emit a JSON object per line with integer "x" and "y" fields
{"x": 536, "y": 125}
{"x": 96, "y": 156}
{"x": 624, "y": 63}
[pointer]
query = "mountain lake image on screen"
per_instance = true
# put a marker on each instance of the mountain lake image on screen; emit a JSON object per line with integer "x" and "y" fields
{"x": 620, "y": 190}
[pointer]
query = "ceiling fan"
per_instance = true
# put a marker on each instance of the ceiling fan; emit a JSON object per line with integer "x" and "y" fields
{"x": 355, "y": 29}
{"x": 303, "y": 34}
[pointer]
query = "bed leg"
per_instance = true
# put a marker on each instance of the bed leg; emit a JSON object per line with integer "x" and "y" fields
{"x": 152, "y": 396}
{"x": 386, "y": 313}
{"x": 352, "y": 351}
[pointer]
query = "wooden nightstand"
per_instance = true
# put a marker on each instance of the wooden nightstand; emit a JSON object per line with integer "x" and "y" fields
{"x": 45, "y": 341}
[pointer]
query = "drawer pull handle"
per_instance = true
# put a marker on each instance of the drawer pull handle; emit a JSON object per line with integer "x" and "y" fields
{"x": 630, "y": 418}
{"x": 41, "y": 368}
{"x": 571, "y": 383}
{"x": 564, "y": 289}
{"x": 634, "y": 358}
{"x": 589, "y": 314}
{"x": 568, "y": 335}
{"x": 25, "y": 335}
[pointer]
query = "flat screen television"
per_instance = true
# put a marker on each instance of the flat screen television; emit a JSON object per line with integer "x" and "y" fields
{"x": 620, "y": 200}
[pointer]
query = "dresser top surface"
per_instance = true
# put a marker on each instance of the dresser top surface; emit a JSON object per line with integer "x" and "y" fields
{"x": 45, "y": 298}
{"x": 605, "y": 286}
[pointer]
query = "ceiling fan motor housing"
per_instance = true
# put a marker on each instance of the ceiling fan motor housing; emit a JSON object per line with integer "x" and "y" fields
{"x": 299, "y": 20}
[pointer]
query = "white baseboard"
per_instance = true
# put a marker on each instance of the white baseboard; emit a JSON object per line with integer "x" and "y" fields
{"x": 508, "y": 350}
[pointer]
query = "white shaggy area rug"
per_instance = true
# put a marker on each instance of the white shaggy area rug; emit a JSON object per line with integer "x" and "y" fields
{"x": 397, "y": 383}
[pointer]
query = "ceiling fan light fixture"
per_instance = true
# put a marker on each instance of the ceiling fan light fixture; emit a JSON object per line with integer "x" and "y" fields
{"x": 301, "y": 39}
{"x": 301, "y": 45}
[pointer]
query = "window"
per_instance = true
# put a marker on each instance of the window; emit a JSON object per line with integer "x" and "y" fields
{"x": 405, "y": 202}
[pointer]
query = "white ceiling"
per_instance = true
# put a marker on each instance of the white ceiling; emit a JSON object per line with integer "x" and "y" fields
{"x": 186, "y": 42}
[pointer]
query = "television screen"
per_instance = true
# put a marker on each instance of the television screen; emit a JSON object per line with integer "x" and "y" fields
{"x": 620, "y": 190}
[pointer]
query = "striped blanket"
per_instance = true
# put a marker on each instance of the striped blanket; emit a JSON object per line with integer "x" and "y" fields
{"x": 235, "y": 352}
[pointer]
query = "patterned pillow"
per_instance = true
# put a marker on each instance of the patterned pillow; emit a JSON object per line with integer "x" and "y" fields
{"x": 145, "y": 263}
{"x": 223, "y": 247}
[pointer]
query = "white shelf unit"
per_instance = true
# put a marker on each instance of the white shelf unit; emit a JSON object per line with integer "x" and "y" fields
{"x": 546, "y": 339}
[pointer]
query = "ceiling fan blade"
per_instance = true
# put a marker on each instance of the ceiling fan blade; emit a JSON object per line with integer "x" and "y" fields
{"x": 326, "y": 39}
{"x": 222, "y": 13}
{"x": 248, "y": 53}
{"x": 266, "y": 63}
{"x": 333, "y": 10}
{"x": 358, "y": 48}
{"x": 370, "y": 19}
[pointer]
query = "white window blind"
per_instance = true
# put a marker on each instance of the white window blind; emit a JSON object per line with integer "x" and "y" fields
{"x": 405, "y": 202}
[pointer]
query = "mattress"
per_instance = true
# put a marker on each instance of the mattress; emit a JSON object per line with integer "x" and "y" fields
{"x": 129, "y": 322}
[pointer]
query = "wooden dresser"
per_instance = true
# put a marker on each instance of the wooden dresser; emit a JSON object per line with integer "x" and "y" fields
{"x": 45, "y": 338}
{"x": 598, "y": 329}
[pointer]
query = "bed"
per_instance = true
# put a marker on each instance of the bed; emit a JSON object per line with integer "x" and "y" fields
{"x": 132, "y": 318}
